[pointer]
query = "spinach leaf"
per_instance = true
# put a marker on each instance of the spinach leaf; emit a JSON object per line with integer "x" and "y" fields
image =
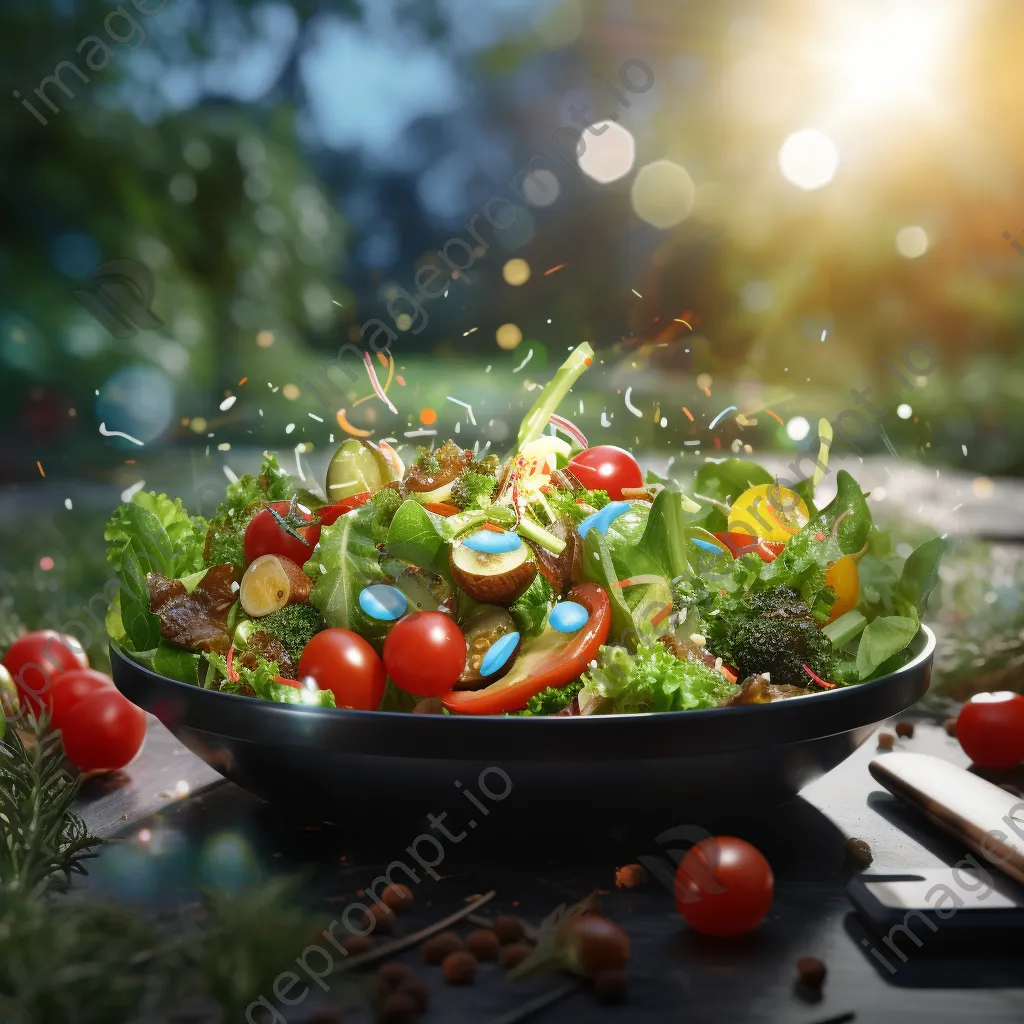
{"x": 342, "y": 564}
{"x": 919, "y": 576}
{"x": 412, "y": 536}
{"x": 530, "y": 610}
{"x": 882, "y": 639}
{"x": 664, "y": 539}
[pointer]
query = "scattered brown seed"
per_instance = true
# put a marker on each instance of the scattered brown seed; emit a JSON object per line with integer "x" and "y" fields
{"x": 357, "y": 944}
{"x": 610, "y": 987}
{"x": 513, "y": 955}
{"x": 459, "y": 967}
{"x": 437, "y": 947}
{"x": 418, "y": 991}
{"x": 398, "y": 1008}
{"x": 382, "y": 918}
{"x": 886, "y": 740}
{"x": 811, "y": 971}
{"x": 391, "y": 975}
{"x": 483, "y": 944}
{"x": 859, "y": 852}
{"x": 631, "y": 876}
{"x": 950, "y": 726}
{"x": 508, "y": 929}
{"x": 905, "y": 729}
{"x": 397, "y": 897}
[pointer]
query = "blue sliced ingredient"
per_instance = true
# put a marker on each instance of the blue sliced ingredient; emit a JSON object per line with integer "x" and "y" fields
{"x": 382, "y": 601}
{"x": 498, "y": 653}
{"x": 601, "y": 520}
{"x": 708, "y": 546}
{"x": 568, "y": 617}
{"x": 492, "y": 542}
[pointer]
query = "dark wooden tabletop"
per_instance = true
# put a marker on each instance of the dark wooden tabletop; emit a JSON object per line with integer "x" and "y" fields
{"x": 175, "y": 825}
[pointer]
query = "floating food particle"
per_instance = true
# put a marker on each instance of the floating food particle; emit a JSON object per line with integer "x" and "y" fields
{"x": 689, "y": 415}
{"x": 428, "y": 416}
{"x": 603, "y": 518}
{"x": 493, "y": 543}
{"x": 348, "y": 428}
{"x": 629, "y": 405}
{"x": 568, "y": 617}
{"x": 466, "y": 334}
{"x": 127, "y": 437}
{"x": 636, "y": 293}
{"x": 678, "y": 320}
{"x": 776, "y": 416}
{"x": 242, "y": 381}
{"x": 553, "y": 270}
{"x": 497, "y": 655}
{"x": 378, "y": 390}
{"x": 401, "y": 380}
{"x": 382, "y": 601}
{"x": 228, "y": 402}
{"x": 529, "y": 356}
{"x": 39, "y": 466}
{"x": 718, "y": 418}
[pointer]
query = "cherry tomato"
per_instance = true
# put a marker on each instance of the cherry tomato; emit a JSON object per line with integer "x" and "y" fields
{"x": 990, "y": 728}
{"x": 266, "y": 536}
{"x": 71, "y": 688}
{"x": 724, "y": 887}
{"x": 344, "y": 663}
{"x": 330, "y": 514}
{"x": 103, "y": 731}
{"x": 425, "y": 653}
{"x": 38, "y": 659}
{"x": 844, "y": 579}
{"x": 606, "y": 468}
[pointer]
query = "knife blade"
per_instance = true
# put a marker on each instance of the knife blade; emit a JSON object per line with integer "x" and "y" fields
{"x": 987, "y": 819}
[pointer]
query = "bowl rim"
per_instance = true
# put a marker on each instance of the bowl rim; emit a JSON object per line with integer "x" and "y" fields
{"x": 792, "y": 720}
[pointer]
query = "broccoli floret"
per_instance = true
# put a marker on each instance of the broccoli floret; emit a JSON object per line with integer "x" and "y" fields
{"x": 776, "y": 633}
{"x": 488, "y": 465}
{"x": 552, "y": 700}
{"x": 294, "y": 625}
{"x": 473, "y": 490}
{"x": 428, "y": 462}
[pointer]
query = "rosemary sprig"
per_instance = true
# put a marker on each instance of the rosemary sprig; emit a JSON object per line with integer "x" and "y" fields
{"x": 42, "y": 841}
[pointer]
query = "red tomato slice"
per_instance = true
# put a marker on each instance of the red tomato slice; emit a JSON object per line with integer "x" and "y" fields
{"x": 743, "y": 544}
{"x": 330, "y": 514}
{"x": 553, "y": 659}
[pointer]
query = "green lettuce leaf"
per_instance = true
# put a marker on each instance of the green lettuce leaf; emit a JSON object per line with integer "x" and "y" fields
{"x": 531, "y": 609}
{"x": 262, "y": 684}
{"x": 412, "y": 535}
{"x": 664, "y": 538}
{"x": 652, "y": 679}
{"x": 882, "y": 639}
{"x": 342, "y": 564}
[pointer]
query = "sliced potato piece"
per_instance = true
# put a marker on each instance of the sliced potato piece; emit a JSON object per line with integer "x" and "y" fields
{"x": 270, "y": 583}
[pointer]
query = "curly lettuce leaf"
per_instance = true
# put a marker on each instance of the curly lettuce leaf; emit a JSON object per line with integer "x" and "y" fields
{"x": 342, "y": 564}
{"x": 552, "y": 700}
{"x": 260, "y": 682}
{"x": 652, "y": 679}
{"x": 531, "y": 609}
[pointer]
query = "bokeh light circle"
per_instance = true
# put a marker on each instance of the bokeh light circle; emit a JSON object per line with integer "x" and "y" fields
{"x": 508, "y": 336}
{"x": 808, "y": 159}
{"x": 137, "y": 400}
{"x": 516, "y": 272}
{"x": 663, "y": 194}
{"x": 798, "y": 428}
{"x": 911, "y": 241}
{"x": 606, "y": 151}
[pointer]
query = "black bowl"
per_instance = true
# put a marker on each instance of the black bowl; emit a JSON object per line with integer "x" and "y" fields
{"x": 359, "y": 766}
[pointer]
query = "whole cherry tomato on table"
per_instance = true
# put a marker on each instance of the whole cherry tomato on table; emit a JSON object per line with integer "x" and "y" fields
{"x": 425, "y": 653}
{"x": 606, "y": 468}
{"x": 265, "y": 535}
{"x": 72, "y": 688}
{"x": 36, "y": 660}
{"x": 990, "y": 728}
{"x": 103, "y": 731}
{"x": 724, "y": 887}
{"x": 344, "y": 663}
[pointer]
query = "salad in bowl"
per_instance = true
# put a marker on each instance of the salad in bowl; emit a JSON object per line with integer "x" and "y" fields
{"x": 558, "y": 581}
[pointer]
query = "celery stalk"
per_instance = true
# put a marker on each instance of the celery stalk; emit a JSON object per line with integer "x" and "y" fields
{"x": 557, "y": 388}
{"x": 845, "y": 628}
{"x": 531, "y": 531}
